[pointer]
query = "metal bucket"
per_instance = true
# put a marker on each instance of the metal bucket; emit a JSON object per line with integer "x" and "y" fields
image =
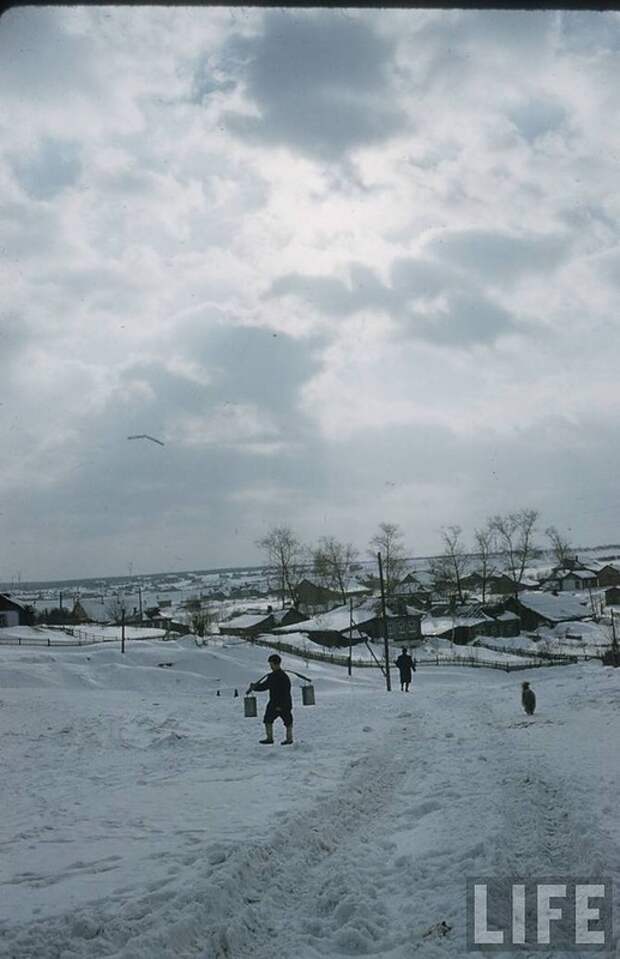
{"x": 307, "y": 695}
{"x": 249, "y": 706}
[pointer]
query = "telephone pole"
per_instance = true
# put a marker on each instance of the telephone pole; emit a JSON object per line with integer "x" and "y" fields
{"x": 386, "y": 647}
{"x": 349, "y": 669}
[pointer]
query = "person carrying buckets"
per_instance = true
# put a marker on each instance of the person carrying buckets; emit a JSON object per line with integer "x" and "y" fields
{"x": 280, "y": 703}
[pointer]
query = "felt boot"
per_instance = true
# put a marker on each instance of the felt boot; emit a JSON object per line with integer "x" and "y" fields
{"x": 289, "y": 737}
{"x": 268, "y": 740}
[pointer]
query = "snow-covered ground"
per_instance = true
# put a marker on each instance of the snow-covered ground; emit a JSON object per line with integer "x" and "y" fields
{"x": 72, "y": 635}
{"x": 142, "y": 820}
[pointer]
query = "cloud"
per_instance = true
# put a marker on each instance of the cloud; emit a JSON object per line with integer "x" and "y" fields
{"x": 55, "y": 166}
{"x": 535, "y": 118}
{"x": 462, "y": 320}
{"x": 319, "y": 81}
{"x": 39, "y": 59}
{"x": 499, "y": 257}
{"x": 332, "y": 296}
{"x": 27, "y": 230}
{"x": 316, "y": 252}
{"x": 426, "y": 300}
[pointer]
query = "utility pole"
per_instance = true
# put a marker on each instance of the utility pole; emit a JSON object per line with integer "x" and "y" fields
{"x": 140, "y": 601}
{"x": 123, "y": 630}
{"x": 386, "y": 647}
{"x": 349, "y": 668}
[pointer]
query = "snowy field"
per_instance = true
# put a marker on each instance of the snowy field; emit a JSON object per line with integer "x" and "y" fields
{"x": 142, "y": 820}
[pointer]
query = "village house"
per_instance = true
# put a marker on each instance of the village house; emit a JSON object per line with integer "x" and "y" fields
{"x": 460, "y": 626}
{"x": 313, "y": 597}
{"x": 607, "y": 575}
{"x": 508, "y": 624}
{"x": 12, "y": 613}
{"x": 612, "y": 596}
{"x": 333, "y": 628}
{"x": 571, "y": 579}
{"x": 536, "y": 609}
{"x": 413, "y": 591}
{"x": 248, "y": 625}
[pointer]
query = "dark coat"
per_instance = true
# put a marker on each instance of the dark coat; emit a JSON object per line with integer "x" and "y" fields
{"x": 405, "y": 667}
{"x": 528, "y": 698}
{"x": 279, "y": 687}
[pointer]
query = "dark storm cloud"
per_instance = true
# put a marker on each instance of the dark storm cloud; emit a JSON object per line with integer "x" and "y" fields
{"x": 52, "y": 168}
{"x": 498, "y": 257}
{"x": 320, "y": 82}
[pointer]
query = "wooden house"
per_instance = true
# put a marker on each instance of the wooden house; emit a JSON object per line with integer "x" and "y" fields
{"x": 12, "y": 613}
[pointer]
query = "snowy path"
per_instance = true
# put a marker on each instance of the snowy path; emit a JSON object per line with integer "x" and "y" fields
{"x": 358, "y": 840}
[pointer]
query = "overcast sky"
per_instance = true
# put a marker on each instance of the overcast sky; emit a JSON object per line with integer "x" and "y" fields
{"x": 349, "y": 266}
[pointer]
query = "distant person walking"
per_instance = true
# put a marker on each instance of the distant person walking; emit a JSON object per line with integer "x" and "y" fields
{"x": 528, "y": 699}
{"x": 278, "y": 685}
{"x": 406, "y": 667}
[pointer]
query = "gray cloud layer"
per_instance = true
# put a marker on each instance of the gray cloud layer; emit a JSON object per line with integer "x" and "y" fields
{"x": 348, "y": 265}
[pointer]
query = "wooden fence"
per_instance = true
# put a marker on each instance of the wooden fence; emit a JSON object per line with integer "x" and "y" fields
{"x": 75, "y": 637}
{"x": 471, "y": 661}
{"x": 539, "y": 654}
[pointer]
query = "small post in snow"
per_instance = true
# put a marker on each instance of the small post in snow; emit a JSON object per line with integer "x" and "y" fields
{"x": 386, "y": 647}
{"x": 122, "y": 631}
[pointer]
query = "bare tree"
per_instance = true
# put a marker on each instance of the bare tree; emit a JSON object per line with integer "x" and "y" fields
{"x": 284, "y": 555}
{"x": 117, "y": 608}
{"x": 202, "y": 619}
{"x": 332, "y": 561}
{"x": 560, "y": 545}
{"x": 452, "y": 566}
{"x": 483, "y": 540}
{"x": 388, "y": 540}
{"x": 514, "y": 534}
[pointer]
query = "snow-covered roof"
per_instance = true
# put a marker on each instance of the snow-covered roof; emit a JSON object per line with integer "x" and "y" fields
{"x": 353, "y": 585}
{"x": 554, "y": 608}
{"x": 95, "y": 609}
{"x": 246, "y": 621}
{"x": 414, "y": 611}
{"x": 336, "y": 620}
{"x": 507, "y": 617}
{"x": 599, "y": 564}
{"x": 12, "y": 602}
{"x": 577, "y": 573}
{"x": 438, "y": 625}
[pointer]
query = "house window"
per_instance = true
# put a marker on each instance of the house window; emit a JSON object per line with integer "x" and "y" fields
{"x": 2, "y": 620}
